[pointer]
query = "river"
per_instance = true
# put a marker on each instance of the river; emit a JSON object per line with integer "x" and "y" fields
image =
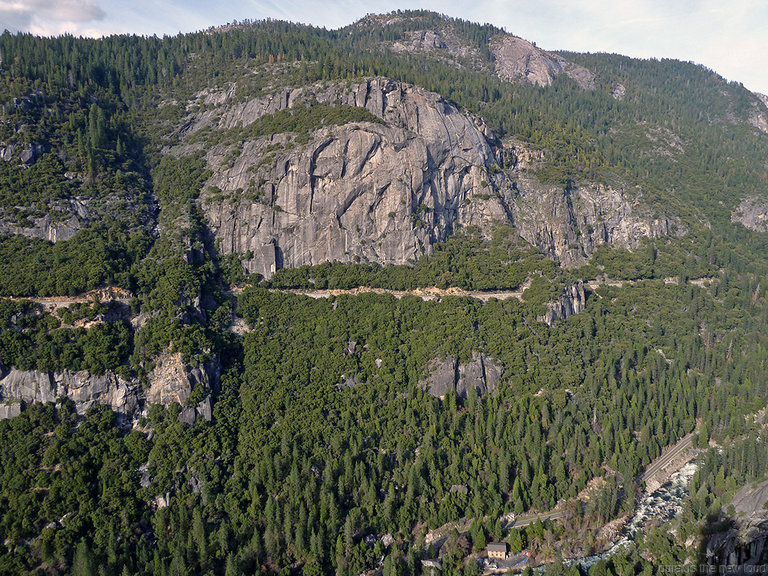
{"x": 664, "y": 505}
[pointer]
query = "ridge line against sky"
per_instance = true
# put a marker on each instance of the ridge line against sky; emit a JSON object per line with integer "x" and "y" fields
{"x": 728, "y": 37}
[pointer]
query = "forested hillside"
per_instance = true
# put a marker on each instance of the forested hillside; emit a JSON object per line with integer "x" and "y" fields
{"x": 211, "y": 420}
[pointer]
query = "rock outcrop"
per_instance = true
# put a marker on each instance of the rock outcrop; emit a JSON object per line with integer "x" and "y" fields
{"x": 442, "y": 377}
{"x": 442, "y": 43}
{"x": 173, "y": 381}
{"x": 759, "y": 116}
{"x": 170, "y": 381}
{"x": 27, "y": 386}
{"x": 518, "y": 59}
{"x": 571, "y": 302}
{"x": 65, "y": 218}
{"x": 514, "y": 59}
{"x": 26, "y": 155}
{"x": 752, "y": 213}
{"x": 44, "y": 226}
{"x": 10, "y": 410}
{"x": 481, "y": 374}
{"x": 82, "y": 388}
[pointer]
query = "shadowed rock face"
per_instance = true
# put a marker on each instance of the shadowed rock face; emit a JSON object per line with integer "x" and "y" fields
{"x": 481, "y": 373}
{"x": 86, "y": 390}
{"x": 744, "y": 543}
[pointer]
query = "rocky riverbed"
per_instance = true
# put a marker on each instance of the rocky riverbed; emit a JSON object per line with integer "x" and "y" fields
{"x": 662, "y": 506}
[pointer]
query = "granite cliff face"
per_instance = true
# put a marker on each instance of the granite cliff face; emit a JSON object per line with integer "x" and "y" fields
{"x": 569, "y": 223}
{"x": 170, "y": 381}
{"x": 388, "y": 191}
{"x": 383, "y": 192}
{"x": 82, "y": 388}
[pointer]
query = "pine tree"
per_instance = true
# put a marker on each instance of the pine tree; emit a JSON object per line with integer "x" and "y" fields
{"x": 231, "y": 568}
{"x": 83, "y": 562}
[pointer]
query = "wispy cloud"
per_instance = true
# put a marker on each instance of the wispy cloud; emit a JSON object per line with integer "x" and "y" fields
{"x": 50, "y": 17}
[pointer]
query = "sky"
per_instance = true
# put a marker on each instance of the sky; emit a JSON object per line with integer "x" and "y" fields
{"x": 730, "y": 37}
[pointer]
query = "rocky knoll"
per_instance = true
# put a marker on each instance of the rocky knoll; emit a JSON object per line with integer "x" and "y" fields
{"x": 514, "y": 59}
{"x": 170, "y": 381}
{"x": 518, "y": 59}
